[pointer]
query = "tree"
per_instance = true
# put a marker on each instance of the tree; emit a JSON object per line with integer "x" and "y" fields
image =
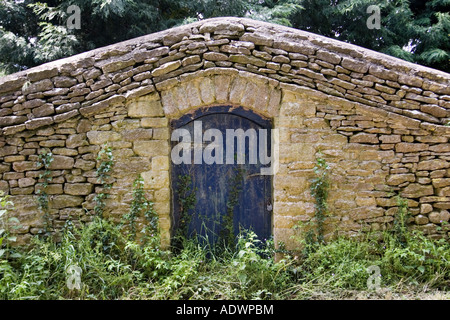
{"x": 34, "y": 32}
{"x": 412, "y": 30}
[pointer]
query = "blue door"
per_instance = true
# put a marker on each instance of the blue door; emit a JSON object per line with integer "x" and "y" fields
{"x": 218, "y": 188}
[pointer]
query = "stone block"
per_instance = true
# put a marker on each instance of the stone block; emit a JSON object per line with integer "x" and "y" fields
{"x": 146, "y": 106}
{"x": 156, "y": 179}
{"x": 151, "y": 148}
{"x": 78, "y": 189}
{"x": 101, "y": 137}
{"x": 415, "y": 190}
{"x": 65, "y": 201}
{"x": 61, "y": 163}
{"x": 154, "y": 122}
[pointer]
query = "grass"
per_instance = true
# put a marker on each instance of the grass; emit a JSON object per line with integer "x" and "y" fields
{"x": 115, "y": 267}
{"x": 111, "y": 263}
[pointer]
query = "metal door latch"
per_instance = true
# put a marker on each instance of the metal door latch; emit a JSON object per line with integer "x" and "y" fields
{"x": 269, "y": 206}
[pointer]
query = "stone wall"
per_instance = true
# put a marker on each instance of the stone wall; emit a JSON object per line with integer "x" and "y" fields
{"x": 378, "y": 121}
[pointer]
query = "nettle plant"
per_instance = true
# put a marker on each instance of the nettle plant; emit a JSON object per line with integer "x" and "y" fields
{"x": 141, "y": 207}
{"x": 106, "y": 159}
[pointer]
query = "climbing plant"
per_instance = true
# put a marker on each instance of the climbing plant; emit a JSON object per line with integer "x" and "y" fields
{"x": 44, "y": 160}
{"x": 226, "y": 234}
{"x": 141, "y": 207}
{"x": 186, "y": 202}
{"x": 106, "y": 159}
{"x": 320, "y": 185}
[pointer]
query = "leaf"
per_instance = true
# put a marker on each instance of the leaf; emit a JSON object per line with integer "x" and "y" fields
{"x": 242, "y": 277}
{"x": 12, "y": 238}
{"x": 15, "y": 255}
{"x": 421, "y": 269}
{"x": 13, "y": 220}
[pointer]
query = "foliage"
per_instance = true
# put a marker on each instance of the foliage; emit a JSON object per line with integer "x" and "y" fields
{"x": 226, "y": 234}
{"x": 114, "y": 267}
{"x": 33, "y": 32}
{"x": 45, "y": 159}
{"x": 319, "y": 187}
{"x": 412, "y": 30}
{"x": 7, "y": 224}
{"x": 341, "y": 263}
{"x": 186, "y": 202}
{"x": 400, "y": 229}
{"x": 106, "y": 163}
{"x": 141, "y": 207}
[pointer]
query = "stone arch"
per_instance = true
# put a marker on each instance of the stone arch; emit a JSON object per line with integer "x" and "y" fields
{"x": 379, "y": 121}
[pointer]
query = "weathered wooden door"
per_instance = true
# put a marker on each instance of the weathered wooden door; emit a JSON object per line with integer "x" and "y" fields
{"x": 228, "y": 196}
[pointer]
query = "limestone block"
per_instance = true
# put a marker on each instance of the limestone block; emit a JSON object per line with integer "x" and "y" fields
{"x": 78, "y": 189}
{"x": 415, "y": 190}
{"x": 434, "y": 164}
{"x": 410, "y": 147}
{"x": 255, "y": 96}
{"x": 364, "y": 138}
{"x": 154, "y": 122}
{"x": 160, "y": 163}
{"x": 151, "y": 148}
{"x": 296, "y": 152}
{"x": 207, "y": 90}
{"x": 397, "y": 179}
{"x": 193, "y": 93}
{"x": 145, "y": 106}
{"x": 170, "y": 109}
{"x": 166, "y": 68}
{"x": 65, "y": 201}
{"x": 156, "y": 179}
{"x": 137, "y": 134}
{"x": 222, "y": 87}
{"x": 238, "y": 88}
{"x": 101, "y": 137}
{"x": 62, "y": 162}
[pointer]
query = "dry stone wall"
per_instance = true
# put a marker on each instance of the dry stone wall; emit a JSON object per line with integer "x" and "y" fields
{"x": 380, "y": 123}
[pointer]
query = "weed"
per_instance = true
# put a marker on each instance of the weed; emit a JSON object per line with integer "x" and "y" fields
{"x": 319, "y": 187}
{"x": 141, "y": 207}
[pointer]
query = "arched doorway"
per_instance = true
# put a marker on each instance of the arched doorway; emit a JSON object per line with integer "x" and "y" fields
{"x": 220, "y": 182}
